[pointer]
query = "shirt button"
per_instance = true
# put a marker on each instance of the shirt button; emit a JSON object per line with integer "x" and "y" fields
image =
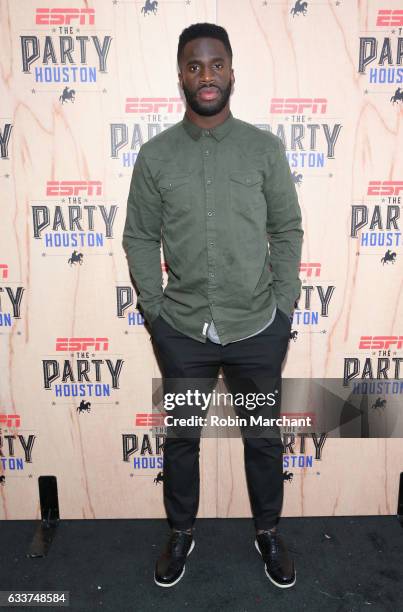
{"x": 209, "y": 181}
{"x": 206, "y": 152}
{"x": 211, "y": 243}
{"x": 211, "y": 274}
{"x": 211, "y": 213}
{"x": 207, "y": 133}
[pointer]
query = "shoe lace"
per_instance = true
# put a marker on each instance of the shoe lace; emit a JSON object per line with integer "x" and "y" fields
{"x": 177, "y": 540}
{"x": 273, "y": 546}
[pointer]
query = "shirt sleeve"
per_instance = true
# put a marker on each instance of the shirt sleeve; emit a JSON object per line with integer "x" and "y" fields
{"x": 284, "y": 229}
{"x": 142, "y": 238}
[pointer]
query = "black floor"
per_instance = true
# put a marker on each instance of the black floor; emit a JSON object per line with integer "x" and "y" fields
{"x": 344, "y": 564}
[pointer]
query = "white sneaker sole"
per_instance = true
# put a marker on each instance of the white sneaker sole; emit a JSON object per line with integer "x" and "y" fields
{"x": 161, "y": 584}
{"x": 282, "y": 586}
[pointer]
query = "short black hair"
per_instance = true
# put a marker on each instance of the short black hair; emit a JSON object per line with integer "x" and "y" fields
{"x": 203, "y": 30}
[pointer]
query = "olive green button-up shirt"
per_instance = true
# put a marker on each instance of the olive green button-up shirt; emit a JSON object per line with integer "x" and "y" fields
{"x": 225, "y": 205}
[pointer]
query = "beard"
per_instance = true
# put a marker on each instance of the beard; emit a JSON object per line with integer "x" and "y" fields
{"x": 207, "y": 108}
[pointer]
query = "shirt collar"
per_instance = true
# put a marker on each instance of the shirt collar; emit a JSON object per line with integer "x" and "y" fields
{"x": 217, "y": 132}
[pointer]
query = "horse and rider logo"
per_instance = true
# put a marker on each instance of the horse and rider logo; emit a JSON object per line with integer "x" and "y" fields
{"x": 68, "y": 94}
{"x": 149, "y": 7}
{"x": 379, "y": 404}
{"x": 159, "y": 478}
{"x": 83, "y": 407}
{"x": 75, "y": 258}
{"x": 389, "y": 256}
{"x": 397, "y": 96}
{"x": 297, "y": 178}
{"x": 299, "y": 8}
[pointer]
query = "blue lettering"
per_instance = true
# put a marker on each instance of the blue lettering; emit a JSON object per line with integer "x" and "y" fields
{"x": 5, "y": 319}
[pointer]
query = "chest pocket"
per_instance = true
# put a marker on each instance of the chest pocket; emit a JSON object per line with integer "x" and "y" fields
{"x": 246, "y": 191}
{"x": 175, "y": 191}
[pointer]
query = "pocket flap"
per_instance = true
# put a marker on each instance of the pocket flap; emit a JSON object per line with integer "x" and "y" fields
{"x": 173, "y": 182}
{"x": 247, "y": 178}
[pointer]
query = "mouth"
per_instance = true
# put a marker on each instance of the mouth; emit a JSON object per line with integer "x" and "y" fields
{"x": 208, "y": 93}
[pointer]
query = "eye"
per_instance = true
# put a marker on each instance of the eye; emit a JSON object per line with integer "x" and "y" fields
{"x": 193, "y": 66}
{"x": 219, "y": 65}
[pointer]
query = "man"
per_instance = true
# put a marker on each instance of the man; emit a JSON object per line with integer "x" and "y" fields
{"x": 217, "y": 188}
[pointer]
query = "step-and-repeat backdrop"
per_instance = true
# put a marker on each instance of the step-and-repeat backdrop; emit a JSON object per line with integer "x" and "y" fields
{"x": 83, "y": 86}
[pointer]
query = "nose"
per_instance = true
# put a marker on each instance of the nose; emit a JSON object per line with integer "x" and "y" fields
{"x": 206, "y": 76}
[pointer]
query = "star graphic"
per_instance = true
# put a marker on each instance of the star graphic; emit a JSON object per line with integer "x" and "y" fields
{"x": 104, "y": 90}
{"x": 187, "y": 2}
{"x": 33, "y": 91}
{"x": 365, "y": 91}
{"x": 264, "y": 3}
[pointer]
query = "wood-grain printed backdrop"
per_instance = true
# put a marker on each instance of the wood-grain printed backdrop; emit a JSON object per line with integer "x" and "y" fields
{"x": 73, "y": 116}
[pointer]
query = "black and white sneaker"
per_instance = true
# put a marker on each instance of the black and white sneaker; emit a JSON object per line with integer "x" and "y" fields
{"x": 170, "y": 566}
{"x": 279, "y": 567}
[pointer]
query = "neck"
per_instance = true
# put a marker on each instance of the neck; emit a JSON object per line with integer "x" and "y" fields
{"x": 208, "y": 122}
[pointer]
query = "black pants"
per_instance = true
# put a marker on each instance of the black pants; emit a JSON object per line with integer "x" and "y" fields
{"x": 247, "y": 365}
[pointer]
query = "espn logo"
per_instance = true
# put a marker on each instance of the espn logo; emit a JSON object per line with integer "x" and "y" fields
{"x": 297, "y": 106}
{"x": 64, "y": 16}
{"x": 82, "y": 344}
{"x": 73, "y": 188}
{"x": 380, "y": 342}
{"x": 154, "y": 105}
{"x": 385, "y": 188}
{"x": 389, "y": 17}
{"x": 10, "y": 420}
{"x": 3, "y": 271}
{"x": 310, "y": 268}
{"x": 149, "y": 419}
